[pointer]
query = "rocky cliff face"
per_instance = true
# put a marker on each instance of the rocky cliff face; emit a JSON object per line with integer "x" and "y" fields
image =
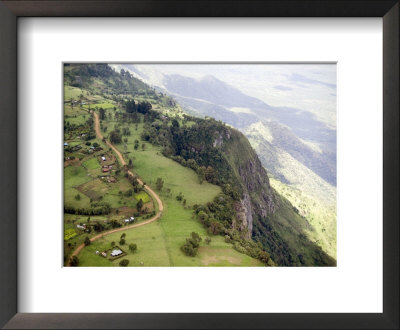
{"x": 244, "y": 212}
{"x": 257, "y": 198}
{"x": 256, "y": 181}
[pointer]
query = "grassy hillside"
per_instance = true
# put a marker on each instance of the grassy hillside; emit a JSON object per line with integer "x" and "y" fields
{"x": 158, "y": 243}
{"x": 212, "y": 182}
{"x": 321, "y": 217}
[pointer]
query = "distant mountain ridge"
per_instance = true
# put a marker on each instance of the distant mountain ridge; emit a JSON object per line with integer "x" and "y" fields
{"x": 209, "y": 96}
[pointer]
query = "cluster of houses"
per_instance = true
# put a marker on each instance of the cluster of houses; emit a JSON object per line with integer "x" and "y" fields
{"x": 114, "y": 253}
{"x": 129, "y": 220}
{"x": 107, "y": 168}
{"x": 92, "y": 149}
{"x": 71, "y": 149}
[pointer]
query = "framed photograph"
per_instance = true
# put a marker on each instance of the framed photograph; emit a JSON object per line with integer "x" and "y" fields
{"x": 203, "y": 164}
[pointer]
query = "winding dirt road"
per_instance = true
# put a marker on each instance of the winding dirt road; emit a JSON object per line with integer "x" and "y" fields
{"x": 146, "y": 188}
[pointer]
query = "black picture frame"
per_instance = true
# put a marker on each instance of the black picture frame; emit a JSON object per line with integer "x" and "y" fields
{"x": 9, "y": 13}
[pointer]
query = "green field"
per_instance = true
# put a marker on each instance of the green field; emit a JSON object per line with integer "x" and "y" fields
{"x": 77, "y": 119}
{"x": 73, "y": 92}
{"x": 143, "y": 196}
{"x": 91, "y": 164}
{"x": 159, "y": 242}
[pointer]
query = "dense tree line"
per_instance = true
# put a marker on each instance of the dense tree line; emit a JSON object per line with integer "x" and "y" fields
{"x": 96, "y": 209}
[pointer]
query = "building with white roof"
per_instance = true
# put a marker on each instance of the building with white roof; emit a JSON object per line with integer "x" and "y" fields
{"x": 116, "y": 253}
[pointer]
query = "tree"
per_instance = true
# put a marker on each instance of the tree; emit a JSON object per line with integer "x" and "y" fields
{"x": 132, "y": 247}
{"x": 122, "y": 241}
{"x": 143, "y": 146}
{"x": 179, "y": 197}
{"x": 139, "y": 205}
{"x": 159, "y": 184}
{"x": 115, "y": 137}
{"x": 102, "y": 114}
{"x": 130, "y": 106}
{"x": 188, "y": 249}
{"x": 136, "y": 146}
{"x": 144, "y": 107}
{"x": 112, "y": 243}
{"x": 191, "y": 245}
{"x": 195, "y": 239}
{"x": 124, "y": 262}
{"x": 74, "y": 261}
{"x": 201, "y": 174}
{"x": 87, "y": 241}
{"x": 207, "y": 240}
{"x": 209, "y": 173}
{"x": 78, "y": 197}
{"x": 123, "y": 235}
{"x": 264, "y": 256}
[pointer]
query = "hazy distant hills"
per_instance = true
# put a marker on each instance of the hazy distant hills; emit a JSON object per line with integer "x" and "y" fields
{"x": 298, "y": 133}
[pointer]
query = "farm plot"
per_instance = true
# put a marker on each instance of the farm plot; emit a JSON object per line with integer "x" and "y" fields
{"x": 94, "y": 189}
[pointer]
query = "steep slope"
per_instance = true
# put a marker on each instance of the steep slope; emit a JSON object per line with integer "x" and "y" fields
{"x": 260, "y": 212}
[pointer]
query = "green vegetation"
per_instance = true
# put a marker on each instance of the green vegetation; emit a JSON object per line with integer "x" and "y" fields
{"x": 132, "y": 247}
{"x": 209, "y": 179}
{"x": 69, "y": 233}
{"x": 192, "y": 244}
{"x": 124, "y": 262}
{"x": 322, "y": 218}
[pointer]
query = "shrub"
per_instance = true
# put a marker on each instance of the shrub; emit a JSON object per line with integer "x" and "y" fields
{"x": 132, "y": 247}
{"x": 191, "y": 245}
{"x": 87, "y": 241}
{"x": 188, "y": 249}
{"x": 74, "y": 261}
{"x": 124, "y": 262}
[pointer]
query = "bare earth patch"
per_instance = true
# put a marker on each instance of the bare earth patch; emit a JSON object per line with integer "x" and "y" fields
{"x": 215, "y": 258}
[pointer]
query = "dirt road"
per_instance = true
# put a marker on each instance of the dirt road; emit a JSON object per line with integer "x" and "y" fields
{"x": 146, "y": 188}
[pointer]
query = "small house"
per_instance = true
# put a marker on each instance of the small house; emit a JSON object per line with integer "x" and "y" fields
{"x": 106, "y": 169}
{"x": 111, "y": 180}
{"x": 66, "y": 144}
{"x": 104, "y": 254}
{"x": 103, "y": 158}
{"x": 116, "y": 253}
